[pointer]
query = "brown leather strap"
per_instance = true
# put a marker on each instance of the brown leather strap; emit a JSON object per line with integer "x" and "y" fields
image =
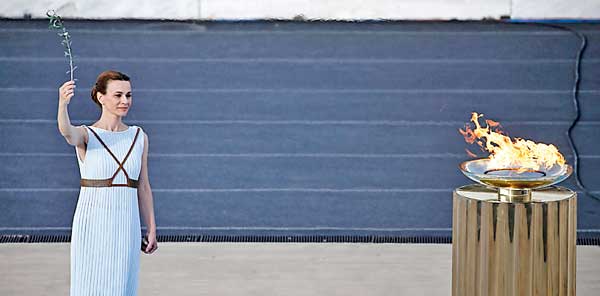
{"x": 113, "y": 156}
{"x": 109, "y": 182}
{"x": 126, "y": 156}
{"x": 106, "y": 147}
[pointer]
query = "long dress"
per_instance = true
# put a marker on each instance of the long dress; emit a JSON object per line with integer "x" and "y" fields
{"x": 106, "y": 233}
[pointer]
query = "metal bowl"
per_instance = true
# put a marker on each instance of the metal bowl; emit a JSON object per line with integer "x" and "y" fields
{"x": 479, "y": 171}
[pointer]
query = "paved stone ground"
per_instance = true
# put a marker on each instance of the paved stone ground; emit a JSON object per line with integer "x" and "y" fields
{"x": 267, "y": 269}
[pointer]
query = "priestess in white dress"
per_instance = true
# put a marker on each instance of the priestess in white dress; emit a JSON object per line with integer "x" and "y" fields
{"x": 112, "y": 157}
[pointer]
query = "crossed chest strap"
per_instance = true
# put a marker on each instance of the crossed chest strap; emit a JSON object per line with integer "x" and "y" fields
{"x": 109, "y": 182}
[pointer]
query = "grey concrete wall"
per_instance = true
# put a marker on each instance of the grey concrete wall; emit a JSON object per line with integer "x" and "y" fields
{"x": 292, "y": 128}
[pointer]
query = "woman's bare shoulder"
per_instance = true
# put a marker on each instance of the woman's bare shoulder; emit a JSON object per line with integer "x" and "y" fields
{"x": 82, "y": 131}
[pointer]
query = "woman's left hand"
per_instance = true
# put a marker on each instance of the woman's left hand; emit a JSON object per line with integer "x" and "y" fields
{"x": 152, "y": 243}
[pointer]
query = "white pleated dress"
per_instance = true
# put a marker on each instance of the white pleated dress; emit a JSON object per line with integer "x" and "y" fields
{"x": 106, "y": 233}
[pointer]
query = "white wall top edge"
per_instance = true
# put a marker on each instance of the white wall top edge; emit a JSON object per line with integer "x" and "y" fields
{"x": 260, "y": 9}
{"x": 305, "y": 9}
{"x": 354, "y": 9}
{"x": 555, "y": 9}
{"x": 102, "y": 9}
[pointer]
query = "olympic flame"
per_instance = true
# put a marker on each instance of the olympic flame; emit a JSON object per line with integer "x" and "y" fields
{"x": 518, "y": 154}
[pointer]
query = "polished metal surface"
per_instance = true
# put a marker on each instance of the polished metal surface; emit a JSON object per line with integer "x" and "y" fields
{"x": 504, "y": 247}
{"x": 514, "y": 195}
{"x": 479, "y": 171}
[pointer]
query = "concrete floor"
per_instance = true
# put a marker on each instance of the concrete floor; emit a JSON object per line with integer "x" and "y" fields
{"x": 266, "y": 269}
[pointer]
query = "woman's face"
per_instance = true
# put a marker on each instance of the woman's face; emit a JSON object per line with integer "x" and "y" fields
{"x": 117, "y": 99}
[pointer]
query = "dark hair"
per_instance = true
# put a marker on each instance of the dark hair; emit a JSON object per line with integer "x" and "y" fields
{"x": 102, "y": 82}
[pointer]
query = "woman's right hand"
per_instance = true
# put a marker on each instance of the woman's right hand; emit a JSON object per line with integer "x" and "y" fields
{"x": 66, "y": 92}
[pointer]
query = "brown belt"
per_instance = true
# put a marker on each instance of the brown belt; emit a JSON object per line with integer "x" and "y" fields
{"x": 107, "y": 183}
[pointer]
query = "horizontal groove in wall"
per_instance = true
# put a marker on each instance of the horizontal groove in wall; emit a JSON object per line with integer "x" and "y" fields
{"x": 296, "y": 60}
{"x": 270, "y": 31}
{"x": 267, "y": 155}
{"x": 305, "y": 122}
{"x": 331, "y": 90}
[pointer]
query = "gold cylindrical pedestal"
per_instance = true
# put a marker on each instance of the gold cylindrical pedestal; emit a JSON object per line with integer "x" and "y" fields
{"x": 504, "y": 248}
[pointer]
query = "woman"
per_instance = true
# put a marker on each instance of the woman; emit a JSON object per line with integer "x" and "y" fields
{"x": 112, "y": 157}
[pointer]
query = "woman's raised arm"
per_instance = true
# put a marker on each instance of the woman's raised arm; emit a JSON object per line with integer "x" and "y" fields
{"x": 75, "y": 135}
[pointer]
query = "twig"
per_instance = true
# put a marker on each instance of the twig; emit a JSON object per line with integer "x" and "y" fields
{"x": 56, "y": 23}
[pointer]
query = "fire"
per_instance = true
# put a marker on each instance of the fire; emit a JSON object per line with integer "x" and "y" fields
{"x": 520, "y": 155}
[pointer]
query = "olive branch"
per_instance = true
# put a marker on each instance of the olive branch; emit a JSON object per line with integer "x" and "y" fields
{"x": 57, "y": 23}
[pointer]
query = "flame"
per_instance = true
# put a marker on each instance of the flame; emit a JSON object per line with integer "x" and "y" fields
{"x": 522, "y": 155}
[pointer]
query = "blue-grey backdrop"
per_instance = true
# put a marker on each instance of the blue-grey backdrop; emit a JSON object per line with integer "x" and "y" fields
{"x": 292, "y": 128}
